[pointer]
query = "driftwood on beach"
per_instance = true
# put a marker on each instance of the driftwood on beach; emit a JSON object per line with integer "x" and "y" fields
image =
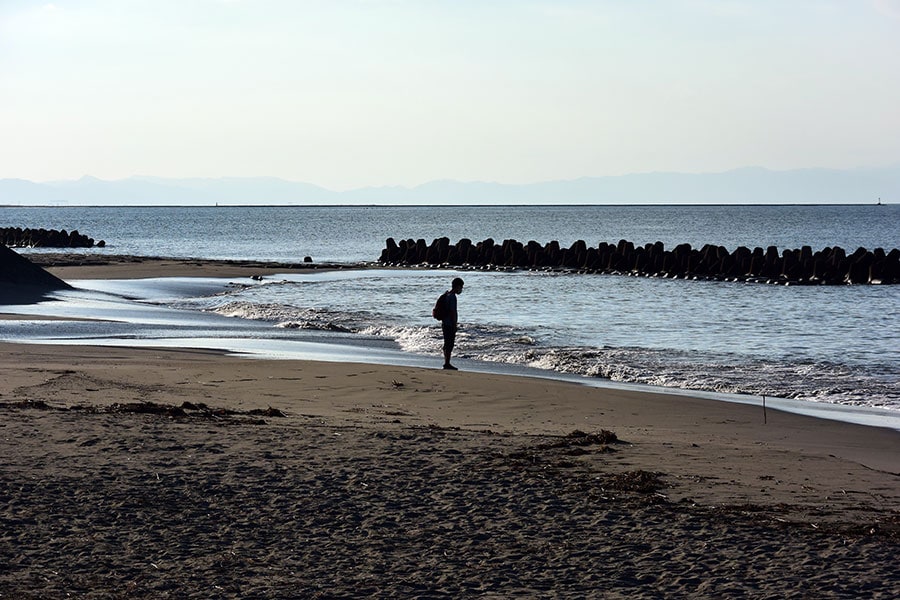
{"x": 829, "y": 266}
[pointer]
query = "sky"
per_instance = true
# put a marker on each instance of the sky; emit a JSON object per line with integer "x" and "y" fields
{"x": 355, "y": 93}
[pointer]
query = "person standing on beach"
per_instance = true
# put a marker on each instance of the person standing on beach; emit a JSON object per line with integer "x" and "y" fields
{"x": 450, "y": 321}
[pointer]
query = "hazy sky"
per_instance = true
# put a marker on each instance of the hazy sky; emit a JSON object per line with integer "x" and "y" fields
{"x": 351, "y": 93}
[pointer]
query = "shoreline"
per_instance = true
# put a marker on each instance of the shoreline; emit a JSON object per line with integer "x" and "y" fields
{"x": 66, "y": 265}
{"x": 75, "y": 266}
{"x": 509, "y": 405}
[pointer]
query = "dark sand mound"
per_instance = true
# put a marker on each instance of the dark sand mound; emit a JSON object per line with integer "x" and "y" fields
{"x": 21, "y": 281}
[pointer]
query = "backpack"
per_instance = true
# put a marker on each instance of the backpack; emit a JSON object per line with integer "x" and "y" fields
{"x": 440, "y": 307}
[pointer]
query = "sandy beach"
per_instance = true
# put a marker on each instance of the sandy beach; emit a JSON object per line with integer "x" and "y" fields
{"x": 145, "y": 473}
{"x": 92, "y": 266}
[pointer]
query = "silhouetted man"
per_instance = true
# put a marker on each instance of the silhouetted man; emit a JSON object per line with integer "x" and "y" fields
{"x": 450, "y": 321}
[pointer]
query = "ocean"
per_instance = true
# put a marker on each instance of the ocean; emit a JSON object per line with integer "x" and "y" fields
{"x": 824, "y": 344}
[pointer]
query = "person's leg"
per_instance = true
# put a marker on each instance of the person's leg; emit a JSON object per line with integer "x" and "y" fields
{"x": 449, "y": 332}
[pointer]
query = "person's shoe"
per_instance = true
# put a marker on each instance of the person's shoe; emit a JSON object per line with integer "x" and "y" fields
{"x": 450, "y": 367}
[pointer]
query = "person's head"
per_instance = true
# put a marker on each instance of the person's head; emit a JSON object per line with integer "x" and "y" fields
{"x": 457, "y": 285}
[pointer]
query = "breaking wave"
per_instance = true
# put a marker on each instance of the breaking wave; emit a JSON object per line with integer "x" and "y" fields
{"x": 287, "y": 317}
{"x": 813, "y": 381}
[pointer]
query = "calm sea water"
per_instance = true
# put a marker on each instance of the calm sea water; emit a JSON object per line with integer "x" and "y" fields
{"x": 829, "y": 344}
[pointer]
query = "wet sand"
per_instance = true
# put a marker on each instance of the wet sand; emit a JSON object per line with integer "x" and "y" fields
{"x": 144, "y": 473}
{"x": 68, "y": 266}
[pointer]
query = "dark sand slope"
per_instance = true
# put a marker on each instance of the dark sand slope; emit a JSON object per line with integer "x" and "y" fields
{"x": 22, "y": 282}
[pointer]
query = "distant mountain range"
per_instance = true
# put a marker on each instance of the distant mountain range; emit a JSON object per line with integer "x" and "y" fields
{"x": 741, "y": 186}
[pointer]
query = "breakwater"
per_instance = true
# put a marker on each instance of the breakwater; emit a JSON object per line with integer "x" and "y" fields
{"x": 17, "y": 237}
{"x": 828, "y": 266}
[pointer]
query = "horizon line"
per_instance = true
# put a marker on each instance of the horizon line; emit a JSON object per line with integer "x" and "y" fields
{"x": 444, "y": 179}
